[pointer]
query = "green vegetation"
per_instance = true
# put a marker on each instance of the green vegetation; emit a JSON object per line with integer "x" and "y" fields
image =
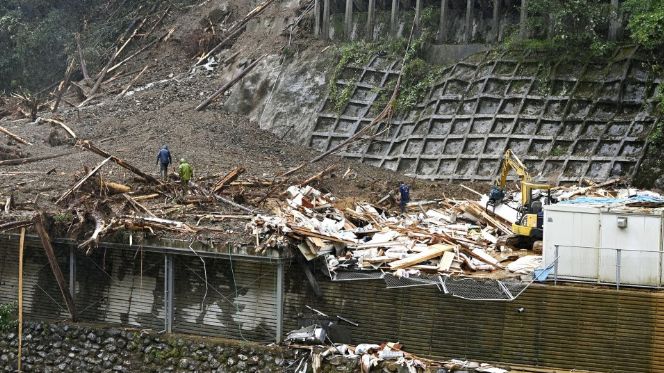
{"x": 574, "y": 29}
{"x": 418, "y": 75}
{"x": 65, "y": 217}
{"x": 646, "y": 22}
{"x": 565, "y": 29}
{"x": 37, "y": 36}
{"x": 8, "y": 316}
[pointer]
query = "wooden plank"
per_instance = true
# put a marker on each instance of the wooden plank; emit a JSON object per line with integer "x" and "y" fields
{"x": 21, "y": 243}
{"x": 432, "y": 252}
{"x": 82, "y": 181}
{"x": 446, "y": 261}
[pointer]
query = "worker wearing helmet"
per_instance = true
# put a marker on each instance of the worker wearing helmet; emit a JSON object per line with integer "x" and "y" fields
{"x": 186, "y": 173}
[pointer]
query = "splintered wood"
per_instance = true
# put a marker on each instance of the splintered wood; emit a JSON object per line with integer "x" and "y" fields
{"x": 450, "y": 237}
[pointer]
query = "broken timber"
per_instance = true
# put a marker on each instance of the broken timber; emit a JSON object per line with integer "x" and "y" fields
{"x": 229, "y": 178}
{"x": 86, "y": 144}
{"x": 83, "y": 180}
{"x": 228, "y": 85}
{"x": 13, "y": 136}
{"x": 55, "y": 267}
{"x": 61, "y": 124}
{"x": 235, "y": 30}
{"x": 19, "y": 161}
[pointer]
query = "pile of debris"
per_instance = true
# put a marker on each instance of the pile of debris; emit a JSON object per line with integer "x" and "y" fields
{"x": 387, "y": 356}
{"x": 453, "y": 237}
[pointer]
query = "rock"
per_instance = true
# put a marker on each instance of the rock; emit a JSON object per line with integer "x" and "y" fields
{"x": 183, "y": 363}
{"x": 92, "y": 337}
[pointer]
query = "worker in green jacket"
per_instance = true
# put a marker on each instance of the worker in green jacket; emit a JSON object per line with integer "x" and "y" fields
{"x": 186, "y": 173}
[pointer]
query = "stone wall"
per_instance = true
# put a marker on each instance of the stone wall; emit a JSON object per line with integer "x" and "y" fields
{"x": 84, "y": 348}
{"x": 65, "y": 347}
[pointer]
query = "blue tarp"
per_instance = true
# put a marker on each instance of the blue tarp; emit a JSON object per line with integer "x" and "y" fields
{"x": 612, "y": 201}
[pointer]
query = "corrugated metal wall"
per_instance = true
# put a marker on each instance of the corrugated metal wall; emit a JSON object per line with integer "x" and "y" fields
{"x": 127, "y": 287}
{"x": 240, "y": 300}
{"x": 41, "y": 296}
{"x": 571, "y": 327}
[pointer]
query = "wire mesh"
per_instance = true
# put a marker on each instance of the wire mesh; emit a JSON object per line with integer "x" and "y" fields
{"x": 394, "y": 282}
{"x": 483, "y": 289}
{"x": 468, "y": 288}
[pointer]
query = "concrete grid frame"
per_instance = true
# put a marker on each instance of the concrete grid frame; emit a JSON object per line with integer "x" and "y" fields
{"x": 564, "y": 121}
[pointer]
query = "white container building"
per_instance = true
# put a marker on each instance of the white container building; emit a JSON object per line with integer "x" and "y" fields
{"x": 605, "y": 243}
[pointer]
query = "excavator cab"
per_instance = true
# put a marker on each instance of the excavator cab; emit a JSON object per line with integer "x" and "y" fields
{"x": 530, "y": 216}
{"x": 528, "y": 226}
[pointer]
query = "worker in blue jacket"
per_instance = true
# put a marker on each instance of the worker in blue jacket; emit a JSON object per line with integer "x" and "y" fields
{"x": 404, "y": 192}
{"x": 163, "y": 160}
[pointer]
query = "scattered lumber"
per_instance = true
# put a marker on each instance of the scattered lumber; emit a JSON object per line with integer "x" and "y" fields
{"x": 137, "y": 206}
{"x": 14, "y": 225}
{"x": 14, "y": 137}
{"x": 230, "y": 84}
{"x": 55, "y": 267}
{"x": 142, "y": 49}
{"x": 235, "y": 30}
{"x": 84, "y": 68}
{"x": 86, "y": 144}
{"x": 108, "y": 65}
{"x": 138, "y": 76}
{"x": 100, "y": 227}
{"x": 116, "y": 187}
{"x": 20, "y": 161}
{"x": 318, "y": 175}
{"x": 433, "y": 252}
{"x": 228, "y": 178}
{"x": 63, "y": 85}
{"x": 82, "y": 181}
{"x": 61, "y": 124}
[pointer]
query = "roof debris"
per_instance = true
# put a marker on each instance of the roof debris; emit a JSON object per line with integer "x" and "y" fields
{"x": 455, "y": 237}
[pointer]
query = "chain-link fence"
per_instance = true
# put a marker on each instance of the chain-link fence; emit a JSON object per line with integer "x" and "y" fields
{"x": 461, "y": 287}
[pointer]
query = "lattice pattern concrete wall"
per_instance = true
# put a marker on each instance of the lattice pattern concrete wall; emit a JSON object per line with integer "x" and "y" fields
{"x": 566, "y": 121}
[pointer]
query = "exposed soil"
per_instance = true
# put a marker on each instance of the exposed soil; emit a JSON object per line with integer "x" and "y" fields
{"x": 135, "y": 126}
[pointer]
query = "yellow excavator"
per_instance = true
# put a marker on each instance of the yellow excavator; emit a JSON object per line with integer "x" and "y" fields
{"x": 529, "y": 213}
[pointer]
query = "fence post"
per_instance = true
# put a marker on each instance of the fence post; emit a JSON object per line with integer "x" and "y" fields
{"x": 555, "y": 267}
{"x": 618, "y": 264}
{"x": 280, "y": 300}
{"x": 72, "y": 271}
{"x": 168, "y": 293}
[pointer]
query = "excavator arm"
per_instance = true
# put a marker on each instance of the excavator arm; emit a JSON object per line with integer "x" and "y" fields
{"x": 511, "y": 162}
